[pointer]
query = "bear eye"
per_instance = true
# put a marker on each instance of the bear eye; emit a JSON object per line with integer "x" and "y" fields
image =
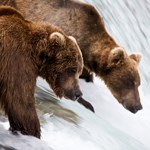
{"x": 71, "y": 71}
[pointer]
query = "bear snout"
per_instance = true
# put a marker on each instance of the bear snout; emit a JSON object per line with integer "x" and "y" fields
{"x": 135, "y": 109}
{"x": 132, "y": 108}
{"x": 73, "y": 94}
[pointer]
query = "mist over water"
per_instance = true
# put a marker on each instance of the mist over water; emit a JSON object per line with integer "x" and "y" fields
{"x": 67, "y": 125}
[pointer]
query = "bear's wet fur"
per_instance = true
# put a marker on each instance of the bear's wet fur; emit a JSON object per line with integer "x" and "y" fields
{"x": 29, "y": 50}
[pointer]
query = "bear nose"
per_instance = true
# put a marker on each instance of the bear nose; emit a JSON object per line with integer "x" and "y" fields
{"x": 78, "y": 94}
{"x": 137, "y": 108}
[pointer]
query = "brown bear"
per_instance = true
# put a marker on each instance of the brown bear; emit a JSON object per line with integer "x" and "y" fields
{"x": 29, "y": 50}
{"x": 102, "y": 55}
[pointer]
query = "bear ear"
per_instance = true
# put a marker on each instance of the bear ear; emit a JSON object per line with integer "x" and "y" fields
{"x": 57, "y": 40}
{"x": 116, "y": 56}
{"x": 137, "y": 57}
{"x": 73, "y": 39}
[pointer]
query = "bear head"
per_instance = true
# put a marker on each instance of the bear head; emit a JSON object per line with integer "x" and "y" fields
{"x": 120, "y": 73}
{"x": 60, "y": 63}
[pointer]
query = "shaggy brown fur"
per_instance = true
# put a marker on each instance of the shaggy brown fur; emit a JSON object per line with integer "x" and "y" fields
{"x": 82, "y": 21}
{"x": 28, "y": 50}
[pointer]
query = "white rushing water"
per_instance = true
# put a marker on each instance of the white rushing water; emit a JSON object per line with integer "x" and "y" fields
{"x": 71, "y": 126}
